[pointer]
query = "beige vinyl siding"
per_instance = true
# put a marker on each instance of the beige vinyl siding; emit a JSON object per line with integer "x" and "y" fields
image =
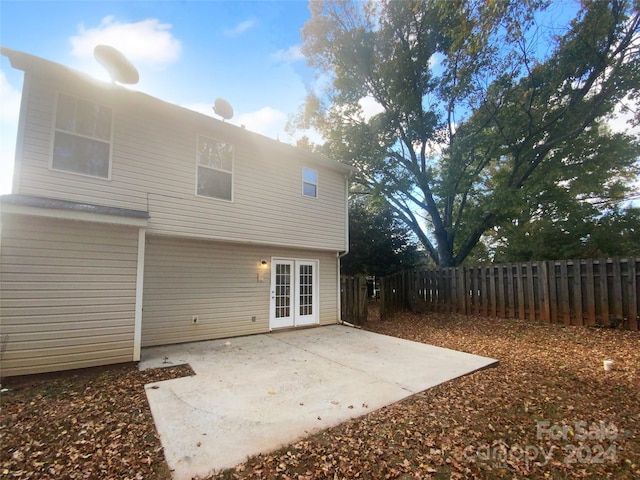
{"x": 154, "y": 169}
{"x": 218, "y": 282}
{"x": 68, "y": 293}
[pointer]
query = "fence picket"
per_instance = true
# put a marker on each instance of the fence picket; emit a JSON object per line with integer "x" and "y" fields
{"x": 590, "y": 293}
{"x": 484, "y": 286}
{"x": 633, "y": 314}
{"x": 617, "y": 290}
{"x": 501, "y": 300}
{"x": 553, "y": 293}
{"x": 531, "y": 296}
{"x": 520, "y": 291}
{"x": 575, "y": 292}
{"x": 353, "y": 299}
{"x": 511, "y": 299}
{"x": 564, "y": 304}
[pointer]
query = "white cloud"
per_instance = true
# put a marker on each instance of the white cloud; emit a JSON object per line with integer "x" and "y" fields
{"x": 268, "y": 121}
{"x": 370, "y": 107}
{"x": 146, "y": 41}
{"x": 240, "y": 28}
{"x": 290, "y": 55}
{"x": 436, "y": 61}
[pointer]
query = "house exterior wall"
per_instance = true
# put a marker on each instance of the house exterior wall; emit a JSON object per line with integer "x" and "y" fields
{"x": 78, "y": 292}
{"x": 218, "y": 282}
{"x": 154, "y": 169}
{"x": 68, "y": 293}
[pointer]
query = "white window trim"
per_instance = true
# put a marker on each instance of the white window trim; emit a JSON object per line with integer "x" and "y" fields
{"x": 232, "y": 172}
{"x": 53, "y": 137}
{"x": 310, "y": 183}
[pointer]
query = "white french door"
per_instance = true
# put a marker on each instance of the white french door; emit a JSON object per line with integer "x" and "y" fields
{"x": 294, "y": 293}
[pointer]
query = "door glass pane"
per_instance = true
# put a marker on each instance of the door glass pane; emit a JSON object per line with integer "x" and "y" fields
{"x": 306, "y": 290}
{"x": 283, "y": 285}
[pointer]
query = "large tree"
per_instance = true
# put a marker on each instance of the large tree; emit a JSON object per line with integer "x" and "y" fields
{"x": 476, "y": 101}
{"x": 580, "y": 234}
{"x": 378, "y": 243}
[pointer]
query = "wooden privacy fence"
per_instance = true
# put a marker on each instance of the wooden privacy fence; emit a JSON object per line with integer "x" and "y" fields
{"x": 353, "y": 299}
{"x": 573, "y": 292}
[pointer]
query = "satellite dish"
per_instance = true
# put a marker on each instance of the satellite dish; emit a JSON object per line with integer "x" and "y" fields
{"x": 120, "y": 69}
{"x": 223, "y": 108}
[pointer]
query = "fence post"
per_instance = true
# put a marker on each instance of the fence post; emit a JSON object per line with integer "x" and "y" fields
{"x": 543, "y": 275}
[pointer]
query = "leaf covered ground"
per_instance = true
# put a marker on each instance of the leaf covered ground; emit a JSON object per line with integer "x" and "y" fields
{"x": 92, "y": 423}
{"x": 485, "y": 425}
{"x": 549, "y": 410}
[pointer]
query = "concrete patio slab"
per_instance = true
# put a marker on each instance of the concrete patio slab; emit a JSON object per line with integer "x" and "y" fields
{"x": 254, "y": 394}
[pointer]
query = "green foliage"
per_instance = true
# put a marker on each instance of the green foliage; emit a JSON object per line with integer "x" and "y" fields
{"x": 484, "y": 118}
{"x": 379, "y": 244}
{"x": 579, "y": 235}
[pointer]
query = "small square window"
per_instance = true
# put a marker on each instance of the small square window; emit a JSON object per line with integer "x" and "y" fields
{"x": 309, "y": 183}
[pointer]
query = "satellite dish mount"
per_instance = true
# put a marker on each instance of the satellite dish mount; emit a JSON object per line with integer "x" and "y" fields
{"x": 223, "y": 108}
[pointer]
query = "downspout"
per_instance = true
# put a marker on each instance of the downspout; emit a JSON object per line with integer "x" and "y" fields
{"x": 137, "y": 321}
{"x": 339, "y": 255}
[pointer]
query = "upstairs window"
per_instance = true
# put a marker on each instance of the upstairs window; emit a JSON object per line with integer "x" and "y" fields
{"x": 215, "y": 169}
{"x": 309, "y": 183}
{"x": 82, "y": 142}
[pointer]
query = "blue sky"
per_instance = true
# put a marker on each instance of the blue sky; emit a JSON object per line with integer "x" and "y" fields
{"x": 187, "y": 52}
